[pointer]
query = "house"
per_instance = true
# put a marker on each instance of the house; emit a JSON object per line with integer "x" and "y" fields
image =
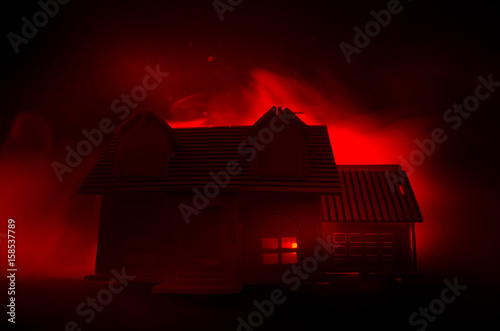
{"x": 207, "y": 210}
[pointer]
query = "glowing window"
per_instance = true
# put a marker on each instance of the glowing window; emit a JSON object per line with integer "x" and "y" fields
{"x": 279, "y": 250}
{"x": 289, "y": 242}
{"x": 269, "y": 243}
{"x": 270, "y": 258}
{"x": 289, "y": 258}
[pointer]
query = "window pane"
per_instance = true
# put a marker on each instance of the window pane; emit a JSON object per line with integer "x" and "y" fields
{"x": 355, "y": 250}
{"x": 269, "y": 243}
{"x": 339, "y": 250}
{"x": 355, "y": 237}
{"x": 387, "y": 238}
{"x": 289, "y": 242}
{"x": 270, "y": 258}
{"x": 289, "y": 258}
{"x": 339, "y": 237}
{"x": 371, "y": 238}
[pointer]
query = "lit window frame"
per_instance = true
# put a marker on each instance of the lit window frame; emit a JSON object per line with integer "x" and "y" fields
{"x": 280, "y": 250}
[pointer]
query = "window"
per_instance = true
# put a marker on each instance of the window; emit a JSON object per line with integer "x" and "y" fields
{"x": 371, "y": 238}
{"x": 279, "y": 250}
{"x": 270, "y": 258}
{"x": 289, "y": 242}
{"x": 339, "y": 237}
{"x": 269, "y": 243}
{"x": 355, "y": 237}
{"x": 386, "y": 238}
{"x": 279, "y": 242}
{"x": 353, "y": 250}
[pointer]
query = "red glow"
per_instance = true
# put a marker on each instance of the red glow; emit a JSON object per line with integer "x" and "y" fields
{"x": 269, "y": 243}
{"x": 289, "y": 242}
{"x": 59, "y": 227}
{"x": 289, "y": 258}
{"x": 270, "y": 258}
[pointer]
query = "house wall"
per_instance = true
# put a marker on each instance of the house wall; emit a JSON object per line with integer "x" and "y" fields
{"x": 255, "y": 208}
{"x": 391, "y": 257}
{"x": 146, "y": 233}
{"x": 132, "y": 232}
{"x": 371, "y": 247}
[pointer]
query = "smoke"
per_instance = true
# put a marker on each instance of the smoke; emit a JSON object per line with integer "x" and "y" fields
{"x": 57, "y": 228}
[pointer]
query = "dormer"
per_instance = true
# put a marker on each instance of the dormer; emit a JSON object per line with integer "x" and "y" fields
{"x": 285, "y": 139}
{"x": 146, "y": 145}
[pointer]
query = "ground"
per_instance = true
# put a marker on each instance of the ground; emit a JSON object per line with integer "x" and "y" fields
{"x": 50, "y": 304}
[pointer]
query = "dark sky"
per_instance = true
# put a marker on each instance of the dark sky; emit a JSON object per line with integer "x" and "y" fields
{"x": 396, "y": 90}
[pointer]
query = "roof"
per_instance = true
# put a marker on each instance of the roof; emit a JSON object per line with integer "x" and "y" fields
{"x": 142, "y": 117}
{"x": 206, "y": 149}
{"x": 369, "y": 195}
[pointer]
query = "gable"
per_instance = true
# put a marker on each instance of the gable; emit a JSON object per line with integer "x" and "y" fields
{"x": 285, "y": 145}
{"x": 193, "y": 154}
{"x": 147, "y": 143}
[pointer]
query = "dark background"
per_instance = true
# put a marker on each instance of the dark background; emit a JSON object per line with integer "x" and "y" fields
{"x": 264, "y": 53}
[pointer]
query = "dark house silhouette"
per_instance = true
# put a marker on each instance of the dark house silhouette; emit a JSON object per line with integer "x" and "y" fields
{"x": 288, "y": 193}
